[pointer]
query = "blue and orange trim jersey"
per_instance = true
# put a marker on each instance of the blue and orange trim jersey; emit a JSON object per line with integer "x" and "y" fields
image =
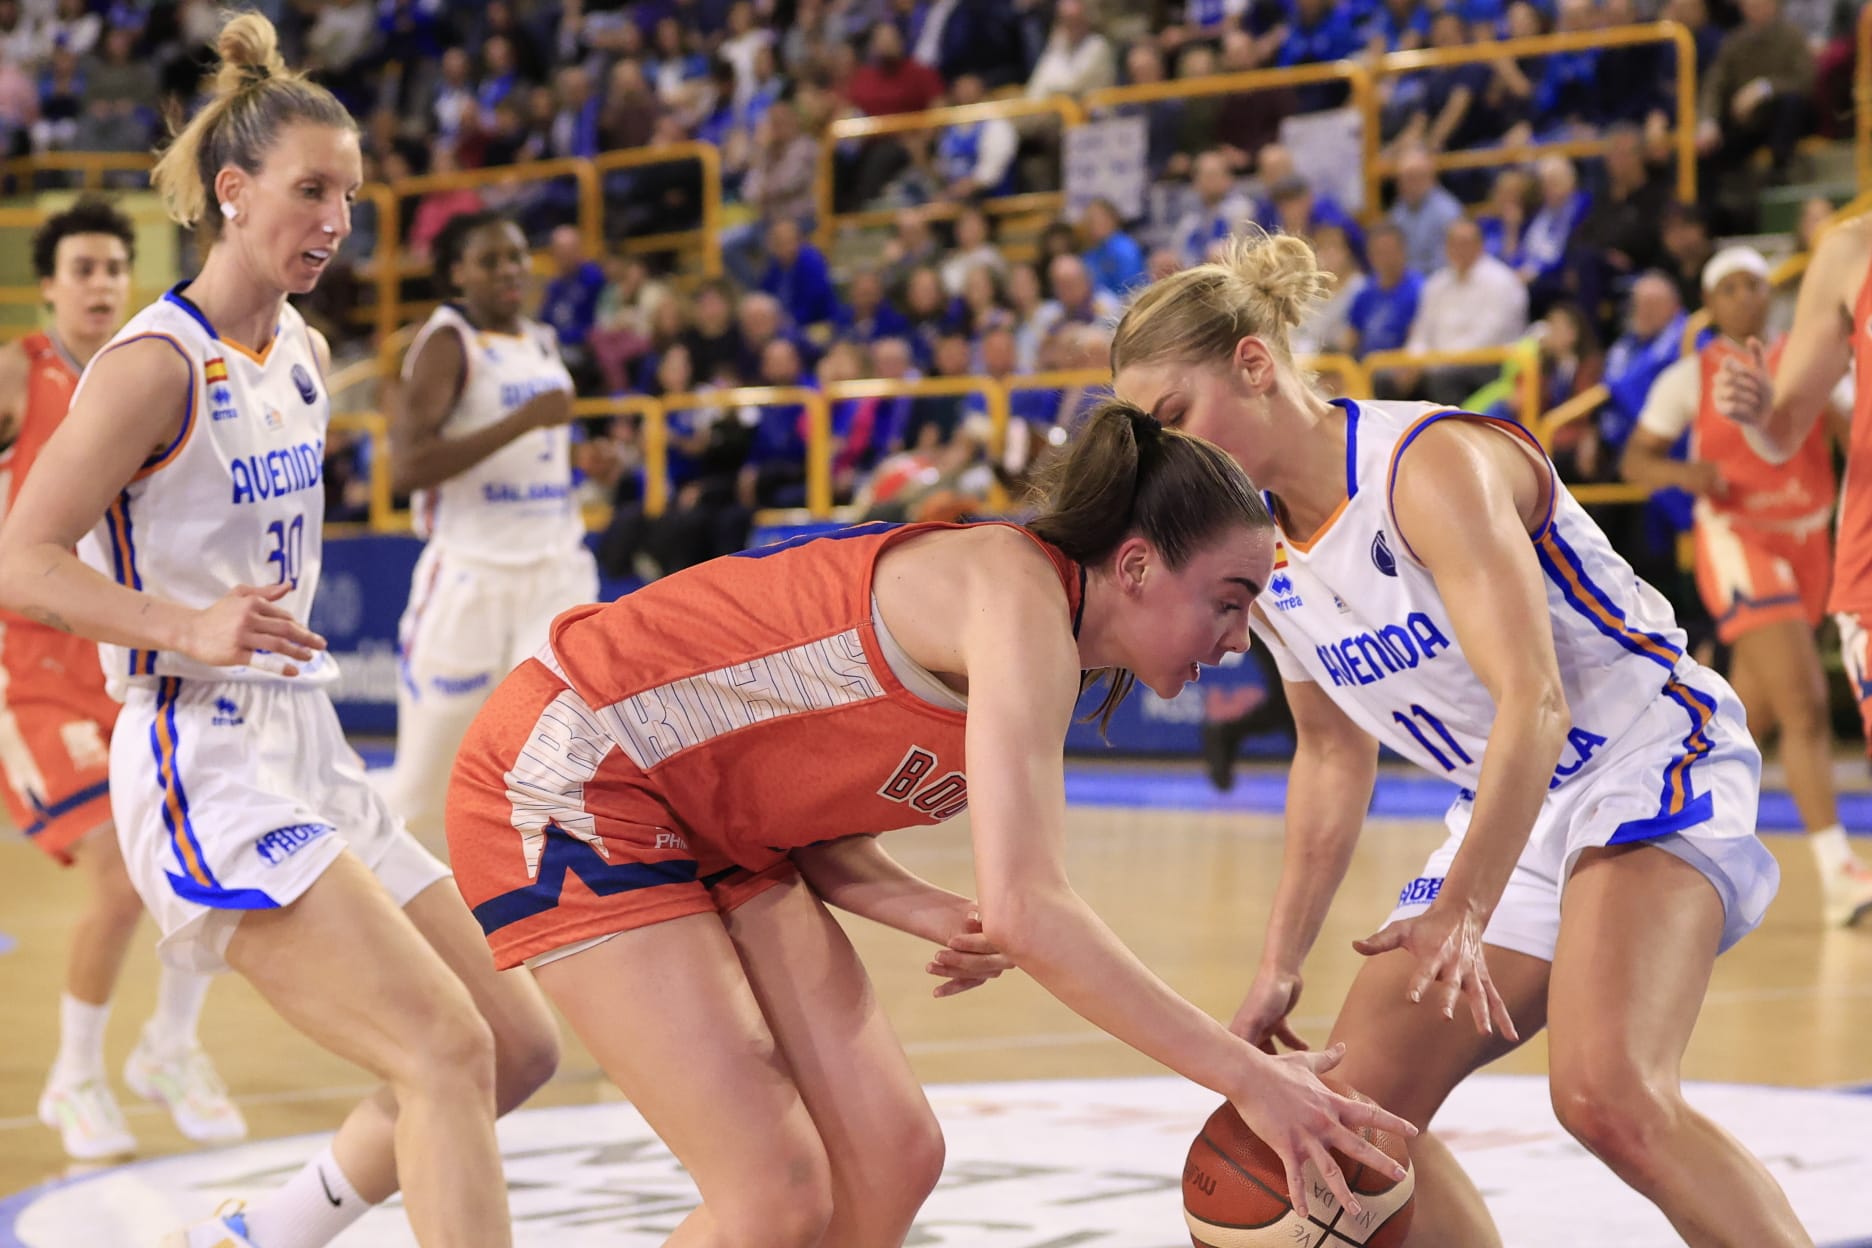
{"x": 1355, "y": 612}
{"x": 755, "y": 704}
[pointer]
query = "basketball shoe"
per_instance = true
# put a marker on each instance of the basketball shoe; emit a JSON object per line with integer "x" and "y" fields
{"x": 87, "y": 1118}
{"x": 227, "y": 1229}
{"x": 1845, "y": 892}
{"x": 185, "y": 1083}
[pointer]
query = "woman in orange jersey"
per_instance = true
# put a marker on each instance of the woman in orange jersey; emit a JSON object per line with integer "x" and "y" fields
{"x": 657, "y": 810}
{"x": 1764, "y": 553}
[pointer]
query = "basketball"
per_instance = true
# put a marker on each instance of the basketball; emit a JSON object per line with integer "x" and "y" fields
{"x": 1235, "y": 1192}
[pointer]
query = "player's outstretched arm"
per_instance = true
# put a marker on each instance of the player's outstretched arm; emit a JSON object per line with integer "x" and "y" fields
{"x": 103, "y": 442}
{"x": 1329, "y": 789}
{"x": 1023, "y": 672}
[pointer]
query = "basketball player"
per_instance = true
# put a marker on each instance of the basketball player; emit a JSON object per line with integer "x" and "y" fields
{"x": 480, "y": 434}
{"x": 190, "y": 466}
{"x": 55, "y": 726}
{"x": 1437, "y": 590}
{"x": 655, "y": 812}
{"x": 1764, "y": 553}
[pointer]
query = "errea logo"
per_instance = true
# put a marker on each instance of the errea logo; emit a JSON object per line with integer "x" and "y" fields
{"x": 1286, "y": 597}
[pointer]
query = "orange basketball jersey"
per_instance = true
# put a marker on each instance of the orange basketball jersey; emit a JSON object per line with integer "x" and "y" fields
{"x": 55, "y": 718}
{"x": 668, "y": 749}
{"x": 1852, "y": 560}
{"x": 1771, "y": 495}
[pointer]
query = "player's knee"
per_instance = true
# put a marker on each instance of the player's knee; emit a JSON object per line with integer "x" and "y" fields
{"x": 115, "y": 899}
{"x": 918, "y": 1151}
{"x": 526, "y": 1053}
{"x": 787, "y": 1205}
{"x": 446, "y": 1046}
{"x": 1806, "y": 719}
{"x": 1620, "y": 1116}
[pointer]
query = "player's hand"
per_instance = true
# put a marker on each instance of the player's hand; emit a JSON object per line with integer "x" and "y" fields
{"x": 548, "y": 408}
{"x": 1705, "y": 480}
{"x": 968, "y": 961}
{"x": 1262, "y": 1018}
{"x": 248, "y": 627}
{"x": 1744, "y": 390}
{"x": 1446, "y": 940}
{"x": 1302, "y": 1120}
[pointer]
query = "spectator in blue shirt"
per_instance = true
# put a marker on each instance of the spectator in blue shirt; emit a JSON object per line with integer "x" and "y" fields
{"x": 1113, "y": 257}
{"x": 1504, "y": 219}
{"x": 1546, "y": 248}
{"x": 1395, "y": 26}
{"x": 1382, "y": 312}
{"x": 1299, "y": 211}
{"x": 867, "y": 317}
{"x": 1321, "y": 31}
{"x": 1652, "y": 341}
{"x": 1424, "y": 210}
{"x": 775, "y": 472}
{"x": 570, "y": 301}
{"x": 798, "y": 276}
{"x": 1219, "y": 213}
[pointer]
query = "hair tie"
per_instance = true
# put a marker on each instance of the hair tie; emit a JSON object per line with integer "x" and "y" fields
{"x": 256, "y": 73}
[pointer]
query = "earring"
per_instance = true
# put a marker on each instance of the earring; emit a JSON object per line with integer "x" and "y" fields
{"x": 229, "y": 210}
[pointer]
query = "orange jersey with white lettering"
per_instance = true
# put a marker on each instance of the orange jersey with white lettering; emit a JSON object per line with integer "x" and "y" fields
{"x": 1795, "y": 494}
{"x": 753, "y": 698}
{"x": 1852, "y": 558}
{"x": 55, "y": 717}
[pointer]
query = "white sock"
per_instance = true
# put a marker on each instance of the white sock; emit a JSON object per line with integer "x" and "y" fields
{"x": 81, "y": 1039}
{"x": 314, "y": 1208}
{"x": 1830, "y": 849}
{"x": 179, "y": 997}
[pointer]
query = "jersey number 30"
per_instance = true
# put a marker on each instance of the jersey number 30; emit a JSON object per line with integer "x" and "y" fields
{"x": 288, "y": 539}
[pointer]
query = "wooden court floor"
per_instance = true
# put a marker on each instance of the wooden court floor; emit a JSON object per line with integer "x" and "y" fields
{"x": 1187, "y": 890}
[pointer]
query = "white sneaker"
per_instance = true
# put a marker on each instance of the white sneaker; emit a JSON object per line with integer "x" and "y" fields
{"x": 1846, "y": 893}
{"x": 227, "y": 1229}
{"x": 187, "y": 1085}
{"x": 87, "y": 1118}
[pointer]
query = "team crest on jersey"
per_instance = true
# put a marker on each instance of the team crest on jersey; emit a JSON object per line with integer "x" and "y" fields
{"x": 302, "y": 381}
{"x": 1286, "y": 597}
{"x": 1381, "y": 555}
{"x": 274, "y": 420}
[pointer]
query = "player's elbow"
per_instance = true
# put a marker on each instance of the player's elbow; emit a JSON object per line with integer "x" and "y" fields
{"x": 1018, "y": 921}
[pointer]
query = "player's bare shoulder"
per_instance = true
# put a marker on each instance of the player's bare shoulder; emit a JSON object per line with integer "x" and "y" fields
{"x": 1843, "y": 259}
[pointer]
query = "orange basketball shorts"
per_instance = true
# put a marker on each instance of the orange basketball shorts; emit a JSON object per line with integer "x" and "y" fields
{"x": 1751, "y": 577}
{"x": 55, "y": 727}
{"x": 555, "y": 839}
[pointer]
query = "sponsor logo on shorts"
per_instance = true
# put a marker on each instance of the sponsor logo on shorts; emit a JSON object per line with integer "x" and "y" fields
{"x": 459, "y": 684}
{"x": 1420, "y": 891}
{"x": 282, "y": 843}
{"x": 227, "y": 713}
{"x": 671, "y": 840}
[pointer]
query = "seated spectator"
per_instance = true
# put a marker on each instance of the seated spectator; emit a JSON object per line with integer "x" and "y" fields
{"x": 626, "y": 308}
{"x": 891, "y": 360}
{"x": 61, "y": 102}
{"x": 1504, "y": 219}
{"x": 977, "y": 157}
{"x": 774, "y": 474}
{"x": 713, "y": 339}
{"x": 1632, "y": 78}
{"x": 1320, "y": 31}
{"x": 1687, "y": 248}
{"x": 1547, "y": 246}
{"x": 570, "y": 301}
{"x": 1162, "y": 262}
{"x": 889, "y": 81}
{"x": 849, "y": 419}
{"x": 1568, "y": 96}
{"x": 1163, "y": 119}
{"x": 1620, "y": 234}
{"x": 974, "y": 248}
{"x": 1113, "y": 257}
{"x": 762, "y": 319}
{"x": 1653, "y": 338}
{"x": 673, "y": 64}
{"x": 1329, "y": 327}
{"x": 936, "y": 418}
{"x": 1513, "y": 83}
{"x": 866, "y": 316}
{"x": 1424, "y": 210}
{"x": 1756, "y": 95}
{"x": 1026, "y": 298}
{"x": 454, "y": 110}
{"x": 1077, "y": 59}
{"x": 1476, "y": 301}
{"x": 782, "y": 164}
{"x": 1571, "y": 363}
{"x": 975, "y": 37}
{"x": 1301, "y": 212}
{"x": 1220, "y": 212}
{"x": 434, "y": 209}
{"x": 797, "y": 275}
{"x": 980, "y": 307}
{"x": 1440, "y": 108}
{"x": 1076, "y": 301}
{"x": 630, "y": 110}
{"x": 1394, "y": 26}
{"x": 998, "y": 357}
{"x": 1247, "y": 122}
{"x": 574, "y": 129}
{"x": 499, "y": 78}
{"x": 913, "y": 246}
{"x": 926, "y": 308}
{"x": 1381, "y": 313}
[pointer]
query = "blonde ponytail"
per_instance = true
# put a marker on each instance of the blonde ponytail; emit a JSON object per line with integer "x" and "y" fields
{"x": 255, "y": 96}
{"x": 1266, "y": 285}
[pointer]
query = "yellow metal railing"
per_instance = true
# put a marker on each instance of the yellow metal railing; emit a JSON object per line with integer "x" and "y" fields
{"x": 1684, "y": 130}
{"x": 1862, "y": 99}
{"x": 1063, "y": 107}
{"x": 653, "y": 439}
{"x": 93, "y": 165}
{"x": 1525, "y": 354}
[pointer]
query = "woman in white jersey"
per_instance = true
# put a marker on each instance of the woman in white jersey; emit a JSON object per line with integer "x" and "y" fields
{"x": 479, "y": 435}
{"x": 190, "y": 467}
{"x": 1437, "y": 590}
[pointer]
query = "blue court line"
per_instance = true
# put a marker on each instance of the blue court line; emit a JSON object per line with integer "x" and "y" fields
{"x": 1262, "y": 790}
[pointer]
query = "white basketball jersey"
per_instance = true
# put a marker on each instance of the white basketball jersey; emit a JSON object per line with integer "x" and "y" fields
{"x": 516, "y": 505}
{"x": 237, "y": 499}
{"x": 1359, "y": 616}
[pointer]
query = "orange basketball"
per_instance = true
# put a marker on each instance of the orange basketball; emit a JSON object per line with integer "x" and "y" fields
{"x": 1235, "y": 1192}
